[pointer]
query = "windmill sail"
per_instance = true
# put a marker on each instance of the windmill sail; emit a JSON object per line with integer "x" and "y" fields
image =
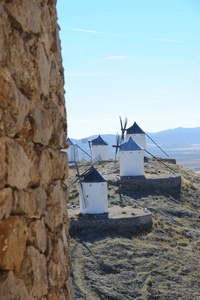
{"x": 85, "y": 203}
{"x": 123, "y": 127}
{"x": 97, "y": 158}
{"x": 118, "y": 143}
{"x": 83, "y": 195}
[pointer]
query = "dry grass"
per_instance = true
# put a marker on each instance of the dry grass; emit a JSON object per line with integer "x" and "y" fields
{"x": 163, "y": 264}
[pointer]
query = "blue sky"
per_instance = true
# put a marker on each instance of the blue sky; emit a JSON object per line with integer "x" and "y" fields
{"x": 133, "y": 58}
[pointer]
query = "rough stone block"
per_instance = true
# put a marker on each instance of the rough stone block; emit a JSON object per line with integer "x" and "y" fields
{"x": 34, "y": 273}
{"x": 37, "y": 235}
{"x": 59, "y": 134}
{"x": 19, "y": 163}
{"x": 42, "y": 125}
{"x": 3, "y": 164}
{"x": 12, "y": 243}
{"x": 31, "y": 202}
{"x": 54, "y": 74}
{"x": 4, "y": 29}
{"x": 14, "y": 105}
{"x": 56, "y": 205}
{"x": 13, "y": 288}
{"x": 6, "y": 200}
{"x": 53, "y": 165}
{"x": 44, "y": 70}
{"x": 29, "y": 165}
{"x": 58, "y": 266}
{"x": 59, "y": 164}
{"x": 29, "y": 21}
{"x": 57, "y": 193}
{"x": 54, "y": 217}
{"x": 21, "y": 65}
{"x": 53, "y": 296}
{"x": 46, "y": 35}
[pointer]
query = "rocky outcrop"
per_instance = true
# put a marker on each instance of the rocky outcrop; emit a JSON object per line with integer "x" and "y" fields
{"x": 34, "y": 226}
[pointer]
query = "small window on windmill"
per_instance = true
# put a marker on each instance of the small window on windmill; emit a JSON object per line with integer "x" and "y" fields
{"x": 130, "y": 152}
{"x": 90, "y": 184}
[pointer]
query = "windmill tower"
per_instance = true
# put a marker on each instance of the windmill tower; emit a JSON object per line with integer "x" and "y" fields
{"x": 137, "y": 134}
{"x": 99, "y": 148}
{"x": 131, "y": 157}
{"x": 93, "y": 192}
{"x": 72, "y": 151}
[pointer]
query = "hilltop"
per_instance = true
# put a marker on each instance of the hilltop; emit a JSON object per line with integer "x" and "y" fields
{"x": 161, "y": 264}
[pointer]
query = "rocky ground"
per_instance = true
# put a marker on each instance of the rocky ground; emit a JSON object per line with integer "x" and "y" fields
{"x": 161, "y": 264}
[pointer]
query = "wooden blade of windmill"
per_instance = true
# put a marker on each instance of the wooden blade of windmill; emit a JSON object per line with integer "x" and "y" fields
{"x": 121, "y": 123}
{"x": 125, "y": 123}
{"x": 83, "y": 198}
{"x": 122, "y": 129}
{"x": 117, "y": 144}
{"x": 97, "y": 159}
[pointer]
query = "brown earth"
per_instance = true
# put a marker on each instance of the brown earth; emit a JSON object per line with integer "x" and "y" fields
{"x": 161, "y": 264}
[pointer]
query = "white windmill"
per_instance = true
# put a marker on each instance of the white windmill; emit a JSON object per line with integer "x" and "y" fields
{"x": 131, "y": 156}
{"x": 93, "y": 192}
{"x": 99, "y": 148}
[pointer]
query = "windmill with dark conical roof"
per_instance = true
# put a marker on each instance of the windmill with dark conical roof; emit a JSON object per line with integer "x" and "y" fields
{"x": 99, "y": 148}
{"x": 95, "y": 190}
{"x": 137, "y": 134}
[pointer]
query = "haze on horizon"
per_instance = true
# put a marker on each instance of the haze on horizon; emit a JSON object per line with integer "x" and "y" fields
{"x": 139, "y": 59}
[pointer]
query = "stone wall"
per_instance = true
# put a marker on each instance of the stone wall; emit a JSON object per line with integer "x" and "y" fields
{"x": 34, "y": 227}
{"x": 132, "y": 225}
{"x": 165, "y": 186}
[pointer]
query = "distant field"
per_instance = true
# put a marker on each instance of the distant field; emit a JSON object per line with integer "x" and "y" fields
{"x": 187, "y": 157}
{"x": 191, "y": 164}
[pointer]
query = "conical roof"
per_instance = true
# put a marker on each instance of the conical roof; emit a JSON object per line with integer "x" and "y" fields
{"x": 135, "y": 129}
{"x": 92, "y": 175}
{"x": 131, "y": 145}
{"x": 98, "y": 141}
{"x": 70, "y": 141}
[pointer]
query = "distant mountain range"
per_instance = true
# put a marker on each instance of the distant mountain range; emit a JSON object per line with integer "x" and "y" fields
{"x": 175, "y": 142}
